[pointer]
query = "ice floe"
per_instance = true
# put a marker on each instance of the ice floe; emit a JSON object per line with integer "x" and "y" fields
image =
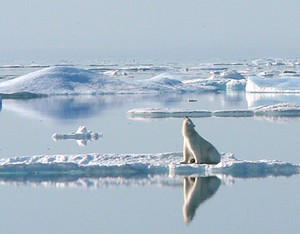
{"x": 278, "y": 110}
{"x": 137, "y": 165}
{"x": 82, "y": 136}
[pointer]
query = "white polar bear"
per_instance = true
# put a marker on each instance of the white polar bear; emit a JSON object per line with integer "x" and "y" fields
{"x": 195, "y": 148}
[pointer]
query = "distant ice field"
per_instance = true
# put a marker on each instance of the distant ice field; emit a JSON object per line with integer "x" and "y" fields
{"x": 257, "y": 76}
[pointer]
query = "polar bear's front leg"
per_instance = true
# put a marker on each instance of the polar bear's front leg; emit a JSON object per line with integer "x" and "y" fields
{"x": 187, "y": 154}
{"x": 197, "y": 154}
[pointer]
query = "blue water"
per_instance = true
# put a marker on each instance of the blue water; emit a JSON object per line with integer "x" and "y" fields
{"x": 269, "y": 205}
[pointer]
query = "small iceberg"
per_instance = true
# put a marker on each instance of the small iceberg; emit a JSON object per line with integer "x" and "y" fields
{"x": 82, "y": 135}
{"x": 273, "y": 85}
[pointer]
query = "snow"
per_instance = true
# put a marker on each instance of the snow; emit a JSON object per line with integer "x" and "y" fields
{"x": 278, "y": 110}
{"x": 138, "y": 165}
{"x": 82, "y": 135}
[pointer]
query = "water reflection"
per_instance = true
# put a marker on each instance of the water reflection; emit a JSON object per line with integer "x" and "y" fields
{"x": 196, "y": 191}
{"x": 84, "y": 106}
{"x": 260, "y": 99}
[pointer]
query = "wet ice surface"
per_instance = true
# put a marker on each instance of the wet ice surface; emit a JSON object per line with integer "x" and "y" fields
{"x": 133, "y": 169}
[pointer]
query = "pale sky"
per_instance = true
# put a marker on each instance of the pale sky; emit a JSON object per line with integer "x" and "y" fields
{"x": 156, "y": 29}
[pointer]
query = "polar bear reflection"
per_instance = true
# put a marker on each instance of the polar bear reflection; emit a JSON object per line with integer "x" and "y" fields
{"x": 196, "y": 191}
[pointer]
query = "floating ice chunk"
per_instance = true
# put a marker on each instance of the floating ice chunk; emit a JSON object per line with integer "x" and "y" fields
{"x": 158, "y": 113}
{"x": 273, "y": 85}
{"x": 82, "y": 135}
{"x": 278, "y": 110}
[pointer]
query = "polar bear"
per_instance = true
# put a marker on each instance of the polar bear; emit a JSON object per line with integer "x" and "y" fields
{"x": 195, "y": 148}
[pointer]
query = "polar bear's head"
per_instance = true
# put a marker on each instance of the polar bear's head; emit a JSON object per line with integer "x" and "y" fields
{"x": 187, "y": 122}
{"x": 188, "y": 127}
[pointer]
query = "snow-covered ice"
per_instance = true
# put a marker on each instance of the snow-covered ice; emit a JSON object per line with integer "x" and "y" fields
{"x": 82, "y": 135}
{"x": 139, "y": 165}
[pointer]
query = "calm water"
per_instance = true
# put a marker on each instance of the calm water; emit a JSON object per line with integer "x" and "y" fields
{"x": 269, "y": 205}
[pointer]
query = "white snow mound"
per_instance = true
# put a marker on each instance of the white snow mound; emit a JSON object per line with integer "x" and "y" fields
{"x": 62, "y": 80}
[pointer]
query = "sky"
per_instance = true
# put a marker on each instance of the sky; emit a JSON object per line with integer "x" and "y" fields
{"x": 142, "y": 29}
